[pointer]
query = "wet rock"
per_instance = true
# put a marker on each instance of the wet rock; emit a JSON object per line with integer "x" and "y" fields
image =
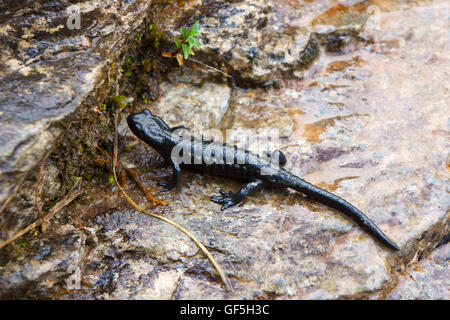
{"x": 21, "y": 212}
{"x": 258, "y": 39}
{"x": 355, "y": 119}
{"x": 47, "y": 261}
{"x": 50, "y": 65}
{"x": 427, "y": 279}
{"x": 253, "y": 109}
{"x": 368, "y": 123}
{"x": 205, "y": 102}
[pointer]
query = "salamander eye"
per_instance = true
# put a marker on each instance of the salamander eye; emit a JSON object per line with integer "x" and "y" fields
{"x": 146, "y": 112}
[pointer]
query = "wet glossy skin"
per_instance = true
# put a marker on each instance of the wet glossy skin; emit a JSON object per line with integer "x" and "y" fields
{"x": 244, "y": 166}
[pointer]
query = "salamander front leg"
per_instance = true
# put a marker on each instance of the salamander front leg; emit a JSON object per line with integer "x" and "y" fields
{"x": 229, "y": 199}
{"x": 174, "y": 181}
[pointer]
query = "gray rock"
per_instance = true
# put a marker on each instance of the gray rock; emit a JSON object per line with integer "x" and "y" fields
{"x": 427, "y": 279}
{"x": 260, "y": 40}
{"x": 367, "y": 123}
{"x": 49, "y": 68}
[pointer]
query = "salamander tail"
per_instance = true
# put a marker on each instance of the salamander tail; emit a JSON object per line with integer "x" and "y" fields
{"x": 335, "y": 202}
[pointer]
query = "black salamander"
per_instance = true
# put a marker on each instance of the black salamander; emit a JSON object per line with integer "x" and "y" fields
{"x": 221, "y": 159}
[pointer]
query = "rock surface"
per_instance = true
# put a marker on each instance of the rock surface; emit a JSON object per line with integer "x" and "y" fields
{"x": 427, "y": 279}
{"x": 260, "y": 40}
{"x": 366, "y": 120}
{"x": 49, "y": 67}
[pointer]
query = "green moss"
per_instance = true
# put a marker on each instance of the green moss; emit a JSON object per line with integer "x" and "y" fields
{"x": 119, "y": 102}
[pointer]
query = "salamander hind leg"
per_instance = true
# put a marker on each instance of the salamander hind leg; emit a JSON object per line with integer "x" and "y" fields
{"x": 230, "y": 199}
{"x": 226, "y": 199}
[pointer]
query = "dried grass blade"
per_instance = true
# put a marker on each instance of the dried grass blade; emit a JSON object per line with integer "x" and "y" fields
{"x": 57, "y": 207}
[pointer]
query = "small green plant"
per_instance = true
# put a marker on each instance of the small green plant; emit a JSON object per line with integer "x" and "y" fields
{"x": 189, "y": 37}
{"x": 185, "y": 44}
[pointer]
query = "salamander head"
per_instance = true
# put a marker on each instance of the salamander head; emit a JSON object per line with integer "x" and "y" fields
{"x": 149, "y": 128}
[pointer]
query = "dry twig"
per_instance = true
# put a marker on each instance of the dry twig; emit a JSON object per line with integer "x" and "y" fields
{"x": 57, "y": 207}
{"x": 133, "y": 174}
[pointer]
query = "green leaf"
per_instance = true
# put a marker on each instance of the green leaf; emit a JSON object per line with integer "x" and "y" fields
{"x": 183, "y": 32}
{"x": 194, "y": 34}
{"x": 196, "y": 43}
{"x": 191, "y": 41}
{"x": 195, "y": 27}
{"x": 186, "y": 50}
{"x": 177, "y": 43}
